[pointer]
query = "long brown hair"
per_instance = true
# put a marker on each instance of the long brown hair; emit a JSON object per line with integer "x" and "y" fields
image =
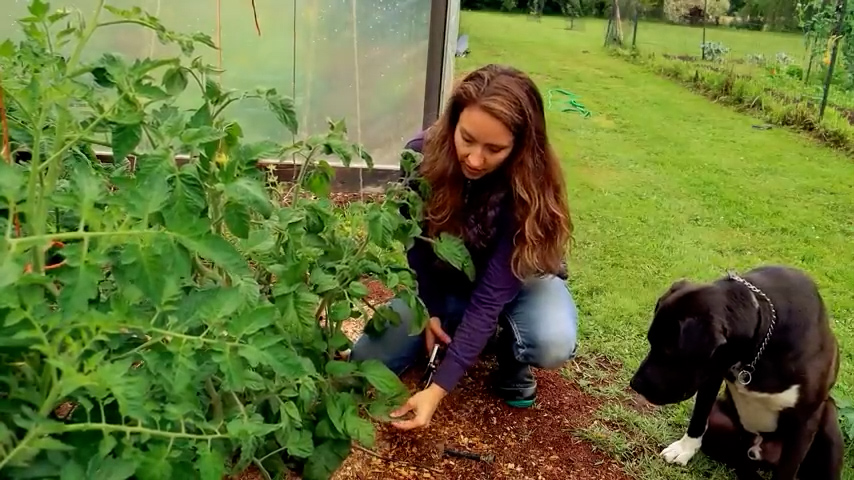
{"x": 532, "y": 172}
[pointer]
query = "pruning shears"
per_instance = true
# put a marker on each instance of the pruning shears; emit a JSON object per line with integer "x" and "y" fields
{"x": 432, "y": 364}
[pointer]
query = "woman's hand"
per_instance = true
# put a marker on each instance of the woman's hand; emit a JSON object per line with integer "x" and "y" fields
{"x": 434, "y": 331}
{"x": 423, "y": 404}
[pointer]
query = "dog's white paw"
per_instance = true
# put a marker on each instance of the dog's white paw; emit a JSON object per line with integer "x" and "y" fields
{"x": 682, "y": 450}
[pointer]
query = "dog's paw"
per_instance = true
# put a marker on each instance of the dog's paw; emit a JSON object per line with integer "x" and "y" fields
{"x": 682, "y": 450}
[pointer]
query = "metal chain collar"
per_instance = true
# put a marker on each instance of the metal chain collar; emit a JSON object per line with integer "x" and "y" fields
{"x": 745, "y": 375}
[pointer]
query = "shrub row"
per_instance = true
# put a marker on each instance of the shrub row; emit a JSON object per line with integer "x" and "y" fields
{"x": 756, "y": 95}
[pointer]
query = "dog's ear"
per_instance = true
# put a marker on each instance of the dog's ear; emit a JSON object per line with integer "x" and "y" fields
{"x": 675, "y": 287}
{"x": 700, "y": 335}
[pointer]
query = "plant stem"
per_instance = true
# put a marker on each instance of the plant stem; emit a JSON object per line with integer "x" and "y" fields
{"x": 223, "y": 107}
{"x": 80, "y": 136}
{"x": 65, "y": 236}
{"x": 274, "y": 452}
{"x": 33, "y": 193}
{"x": 216, "y": 401}
{"x": 87, "y": 35}
{"x": 20, "y": 446}
{"x": 125, "y": 22}
{"x": 168, "y": 333}
{"x": 261, "y": 468}
{"x": 38, "y": 212}
{"x": 108, "y": 428}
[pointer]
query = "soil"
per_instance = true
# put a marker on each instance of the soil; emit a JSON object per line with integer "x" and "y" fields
{"x": 537, "y": 443}
{"x": 526, "y": 444}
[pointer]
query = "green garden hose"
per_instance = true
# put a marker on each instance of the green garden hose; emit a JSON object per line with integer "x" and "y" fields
{"x": 573, "y": 104}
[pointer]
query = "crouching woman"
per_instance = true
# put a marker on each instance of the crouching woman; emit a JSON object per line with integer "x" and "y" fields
{"x": 496, "y": 183}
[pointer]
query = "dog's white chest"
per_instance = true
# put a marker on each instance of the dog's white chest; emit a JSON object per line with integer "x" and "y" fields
{"x": 759, "y": 411}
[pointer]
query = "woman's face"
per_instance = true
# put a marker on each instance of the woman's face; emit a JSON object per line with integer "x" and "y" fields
{"x": 483, "y": 143}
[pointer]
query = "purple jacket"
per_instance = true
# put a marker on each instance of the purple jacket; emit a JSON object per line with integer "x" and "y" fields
{"x": 494, "y": 287}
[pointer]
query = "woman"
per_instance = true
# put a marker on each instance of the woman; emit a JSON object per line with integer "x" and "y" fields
{"x": 496, "y": 183}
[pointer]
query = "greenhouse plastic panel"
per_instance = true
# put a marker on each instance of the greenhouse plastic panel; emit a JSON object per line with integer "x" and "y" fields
{"x": 360, "y": 60}
{"x": 364, "y": 61}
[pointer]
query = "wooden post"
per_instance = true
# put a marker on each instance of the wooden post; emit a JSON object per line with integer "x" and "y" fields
{"x": 837, "y": 32}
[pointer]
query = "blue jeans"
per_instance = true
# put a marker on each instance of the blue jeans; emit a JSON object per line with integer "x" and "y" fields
{"x": 543, "y": 320}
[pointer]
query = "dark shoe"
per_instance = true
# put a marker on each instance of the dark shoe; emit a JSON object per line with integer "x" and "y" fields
{"x": 513, "y": 381}
{"x": 518, "y": 389}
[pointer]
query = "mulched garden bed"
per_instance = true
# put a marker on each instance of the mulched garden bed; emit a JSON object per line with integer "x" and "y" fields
{"x": 532, "y": 444}
{"x": 537, "y": 443}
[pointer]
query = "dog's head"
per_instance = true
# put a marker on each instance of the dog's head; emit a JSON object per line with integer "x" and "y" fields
{"x": 685, "y": 334}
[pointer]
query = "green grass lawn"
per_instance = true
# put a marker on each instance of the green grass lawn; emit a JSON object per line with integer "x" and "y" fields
{"x": 683, "y": 40}
{"x": 664, "y": 185}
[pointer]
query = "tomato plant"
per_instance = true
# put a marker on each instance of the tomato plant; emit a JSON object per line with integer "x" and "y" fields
{"x": 164, "y": 318}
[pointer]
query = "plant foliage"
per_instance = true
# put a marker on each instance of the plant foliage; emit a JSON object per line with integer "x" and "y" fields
{"x": 164, "y": 318}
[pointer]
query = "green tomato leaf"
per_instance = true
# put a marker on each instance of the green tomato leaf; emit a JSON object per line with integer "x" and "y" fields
{"x": 297, "y": 306}
{"x": 110, "y": 468}
{"x": 358, "y": 289}
{"x": 359, "y": 429}
{"x": 381, "y": 378}
{"x": 210, "y": 463}
{"x": 39, "y": 9}
{"x": 340, "y": 311}
{"x": 452, "y": 250}
{"x": 199, "y": 136}
{"x": 323, "y": 282}
{"x": 155, "y": 464}
{"x": 381, "y": 226}
{"x": 337, "y": 368}
{"x": 237, "y": 219}
{"x": 284, "y": 109}
{"x": 250, "y": 193}
{"x": 175, "y": 81}
{"x": 300, "y": 443}
{"x": 253, "y": 321}
{"x": 7, "y": 49}
{"x": 124, "y": 139}
{"x": 326, "y": 459}
{"x": 217, "y": 250}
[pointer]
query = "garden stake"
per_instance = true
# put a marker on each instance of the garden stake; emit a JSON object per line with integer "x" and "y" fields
{"x": 488, "y": 458}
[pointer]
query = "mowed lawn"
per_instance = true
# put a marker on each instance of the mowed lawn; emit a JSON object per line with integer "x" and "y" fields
{"x": 682, "y": 40}
{"x": 666, "y": 185}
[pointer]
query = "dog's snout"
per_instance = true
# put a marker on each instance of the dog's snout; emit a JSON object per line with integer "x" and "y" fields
{"x": 637, "y": 383}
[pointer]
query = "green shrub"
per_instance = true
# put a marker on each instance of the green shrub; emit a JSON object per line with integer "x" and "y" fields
{"x": 763, "y": 95}
{"x": 165, "y": 319}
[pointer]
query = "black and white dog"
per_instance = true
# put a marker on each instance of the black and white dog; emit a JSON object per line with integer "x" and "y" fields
{"x": 766, "y": 336}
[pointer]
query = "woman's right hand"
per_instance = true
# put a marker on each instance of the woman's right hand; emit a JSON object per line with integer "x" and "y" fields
{"x": 434, "y": 332}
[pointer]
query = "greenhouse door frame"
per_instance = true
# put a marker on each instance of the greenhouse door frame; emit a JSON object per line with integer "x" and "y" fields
{"x": 441, "y": 51}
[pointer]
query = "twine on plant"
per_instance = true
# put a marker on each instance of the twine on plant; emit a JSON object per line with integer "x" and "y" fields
{"x": 255, "y": 15}
{"x": 6, "y": 151}
{"x": 152, "y": 43}
{"x": 218, "y": 34}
